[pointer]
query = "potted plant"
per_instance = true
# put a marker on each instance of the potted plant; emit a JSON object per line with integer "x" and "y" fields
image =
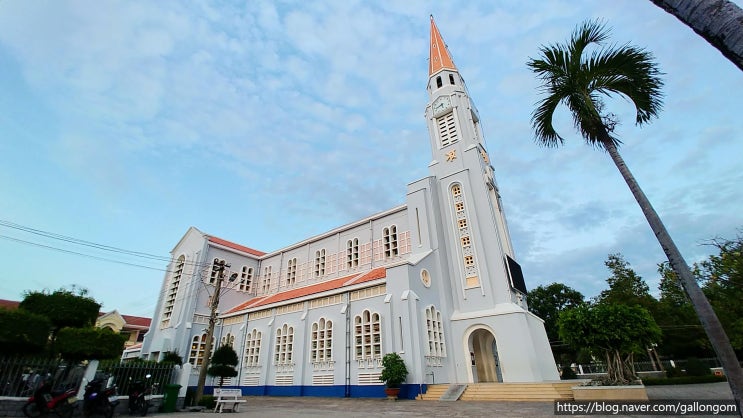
{"x": 393, "y": 374}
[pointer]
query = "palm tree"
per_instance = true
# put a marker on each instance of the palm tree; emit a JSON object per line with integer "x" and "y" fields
{"x": 579, "y": 82}
{"x": 717, "y": 21}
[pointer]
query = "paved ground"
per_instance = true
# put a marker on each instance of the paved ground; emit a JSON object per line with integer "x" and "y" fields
{"x": 307, "y": 407}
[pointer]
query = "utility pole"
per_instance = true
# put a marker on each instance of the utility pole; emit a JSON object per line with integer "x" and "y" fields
{"x": 210, "y": 330}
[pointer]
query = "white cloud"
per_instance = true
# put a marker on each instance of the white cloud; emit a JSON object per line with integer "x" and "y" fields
{"x": 308, "y": 115}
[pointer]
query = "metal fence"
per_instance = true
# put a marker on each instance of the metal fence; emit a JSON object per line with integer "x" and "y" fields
{"x": 126, "y": 373}
{"x": 642, "y": 366}
{"x": 21, "y": 376}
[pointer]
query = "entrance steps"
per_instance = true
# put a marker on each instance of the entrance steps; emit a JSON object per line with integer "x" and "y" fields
{"x": 433, "y": 393}
{"x": 514, "y": 392}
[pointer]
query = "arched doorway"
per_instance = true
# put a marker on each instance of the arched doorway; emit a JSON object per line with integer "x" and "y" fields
{"x": 484, "y": 357}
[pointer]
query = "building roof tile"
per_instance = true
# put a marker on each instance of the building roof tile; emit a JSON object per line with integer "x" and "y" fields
{"x": 230, "y": 244}
{"x": 377, "y": 273}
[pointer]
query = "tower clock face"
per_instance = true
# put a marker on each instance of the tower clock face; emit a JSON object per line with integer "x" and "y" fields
{"x": 441, "y": 105}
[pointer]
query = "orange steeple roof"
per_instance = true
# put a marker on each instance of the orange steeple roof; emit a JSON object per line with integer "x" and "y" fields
{"x": 439, "y": 58}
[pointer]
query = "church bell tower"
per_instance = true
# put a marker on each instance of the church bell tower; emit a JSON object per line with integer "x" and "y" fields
{"x": 471, "y": 208}
{"x": 494, "y": 336}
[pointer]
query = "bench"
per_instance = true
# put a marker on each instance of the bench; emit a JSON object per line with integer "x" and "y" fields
{"x": 228, "y": 397}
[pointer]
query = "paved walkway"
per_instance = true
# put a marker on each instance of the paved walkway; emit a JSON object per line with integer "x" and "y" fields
{"x": 308, "y": 407}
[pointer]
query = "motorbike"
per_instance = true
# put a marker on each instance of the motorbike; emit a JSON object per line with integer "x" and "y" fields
{"x": 45, "y": 400}
{"x": 99, "y": 399}
{"x": 139, "y": 396}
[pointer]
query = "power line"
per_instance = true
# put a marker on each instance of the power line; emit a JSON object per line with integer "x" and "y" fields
{"x": 77, "y": 241}
{"x": 82, "y": 242}
{"x": 49, "y": 247}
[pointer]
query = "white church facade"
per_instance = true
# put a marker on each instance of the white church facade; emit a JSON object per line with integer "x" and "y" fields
{"x": 434, "y": 280}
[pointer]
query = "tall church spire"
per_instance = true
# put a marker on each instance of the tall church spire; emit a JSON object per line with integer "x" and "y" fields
{"x": 439, "y": 57}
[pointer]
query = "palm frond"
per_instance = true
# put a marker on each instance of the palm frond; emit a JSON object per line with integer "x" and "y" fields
{"x": 579, "y": 80}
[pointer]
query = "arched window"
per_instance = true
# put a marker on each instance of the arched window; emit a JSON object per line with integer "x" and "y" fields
{"x": 368, "y": 335}
{"x": 451, "y": 79}
{"x": 284, "y": 345}
{"x": 321, "y": 341}
{"x": 198, "y": 346}
{"x": 438, "y": 82}
{"x": 464, "y": 233}
{"x": 217, "y": 266}
{"x": 291, "y": 272}
{"x": 435, "y": 332}
{"x": 390, "y": 241}
{"x": 266, "y": 282}
{"x": 228, "y": 339}
{"x": 246, "y": 278}
{"x": 252, "y": 349}
{"x": 352, "y": 253}
{"x": 320, "y": 262}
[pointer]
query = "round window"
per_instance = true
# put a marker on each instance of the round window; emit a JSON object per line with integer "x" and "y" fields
{"x": 425, "y": 278}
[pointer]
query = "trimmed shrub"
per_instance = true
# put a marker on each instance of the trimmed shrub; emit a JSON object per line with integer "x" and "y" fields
{"x": 208, "y": 401}
{"x": 568, "y": 373}
{"x": 684, "y": 380}
{"x": 696, "y": 367}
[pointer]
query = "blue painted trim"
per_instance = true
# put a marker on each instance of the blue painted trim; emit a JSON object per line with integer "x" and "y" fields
{"x": 407, "y": 391}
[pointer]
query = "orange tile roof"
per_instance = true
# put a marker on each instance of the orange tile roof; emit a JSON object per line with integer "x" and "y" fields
{"x": 234, "y": 246}
{"x": 9, "y": 304}
{"x": 334, "y": 284}
{"x": 439, "y": 58}
{"x": 137, "y": 321}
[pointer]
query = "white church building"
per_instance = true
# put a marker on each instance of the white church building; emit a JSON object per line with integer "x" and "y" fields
{"x": 434, "y": 280}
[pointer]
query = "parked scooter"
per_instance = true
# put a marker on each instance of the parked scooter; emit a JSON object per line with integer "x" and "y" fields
{"x": 44, "y": 400}
{"x": 139, "y": 396}
{"x": 100, "y": 399}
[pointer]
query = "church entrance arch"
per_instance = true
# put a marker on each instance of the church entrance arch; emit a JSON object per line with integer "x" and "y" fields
{"x": 484, "y": 356}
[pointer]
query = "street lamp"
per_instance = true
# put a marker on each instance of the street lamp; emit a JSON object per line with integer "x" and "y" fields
{"x": 210, "y": 330}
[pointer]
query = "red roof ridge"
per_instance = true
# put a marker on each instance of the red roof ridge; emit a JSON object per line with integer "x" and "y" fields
{"x": 324, "y": 286}
{"x": 234, "y": 246}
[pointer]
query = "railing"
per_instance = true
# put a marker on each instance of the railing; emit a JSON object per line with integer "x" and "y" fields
{"x": 127, "y": 373}
{"x": 641, "y": 366}
{"x": 21, "y": 376}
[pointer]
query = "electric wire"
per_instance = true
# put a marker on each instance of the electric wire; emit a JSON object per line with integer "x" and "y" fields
{"x": 78, "y": 253}
{"x": 77, "y": 241}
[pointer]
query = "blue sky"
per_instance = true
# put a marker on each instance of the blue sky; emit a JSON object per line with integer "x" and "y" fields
{"x": 125, "y": 122}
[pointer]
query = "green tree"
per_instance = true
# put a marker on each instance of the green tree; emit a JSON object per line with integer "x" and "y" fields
{"x": 172, "y": 357}
{"x": 717, "y": 21}
{"x": 722, "y": 274}
{"x": 683, "y": 335}
{"x": 625, "y": 286}
{"x": 77, "y": 344}
{"x": 616, "y": 332}
{"x": 548, "y": 301}
{"x": 64, "y": 308}
{"x": 23, "y": 332}
{"x": 223, "y": 363}
{"x": 581, "y": 82}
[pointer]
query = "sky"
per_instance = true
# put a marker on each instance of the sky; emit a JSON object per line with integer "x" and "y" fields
{"x": 123, "y": 123}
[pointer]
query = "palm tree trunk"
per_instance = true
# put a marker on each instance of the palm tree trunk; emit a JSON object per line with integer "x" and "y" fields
{"x": 713, "y": 328}
{"x": 719, "y": 22}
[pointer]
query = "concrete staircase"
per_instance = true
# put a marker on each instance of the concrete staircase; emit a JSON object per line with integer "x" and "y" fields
{"x": 519, "y": 392}
{"x": 514, "y": 392}
{"x": 433, "y": 393}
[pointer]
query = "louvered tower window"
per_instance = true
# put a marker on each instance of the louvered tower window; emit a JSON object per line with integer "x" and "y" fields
{"x": 447, "y": 129}
{"x": 175, "y": 282}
